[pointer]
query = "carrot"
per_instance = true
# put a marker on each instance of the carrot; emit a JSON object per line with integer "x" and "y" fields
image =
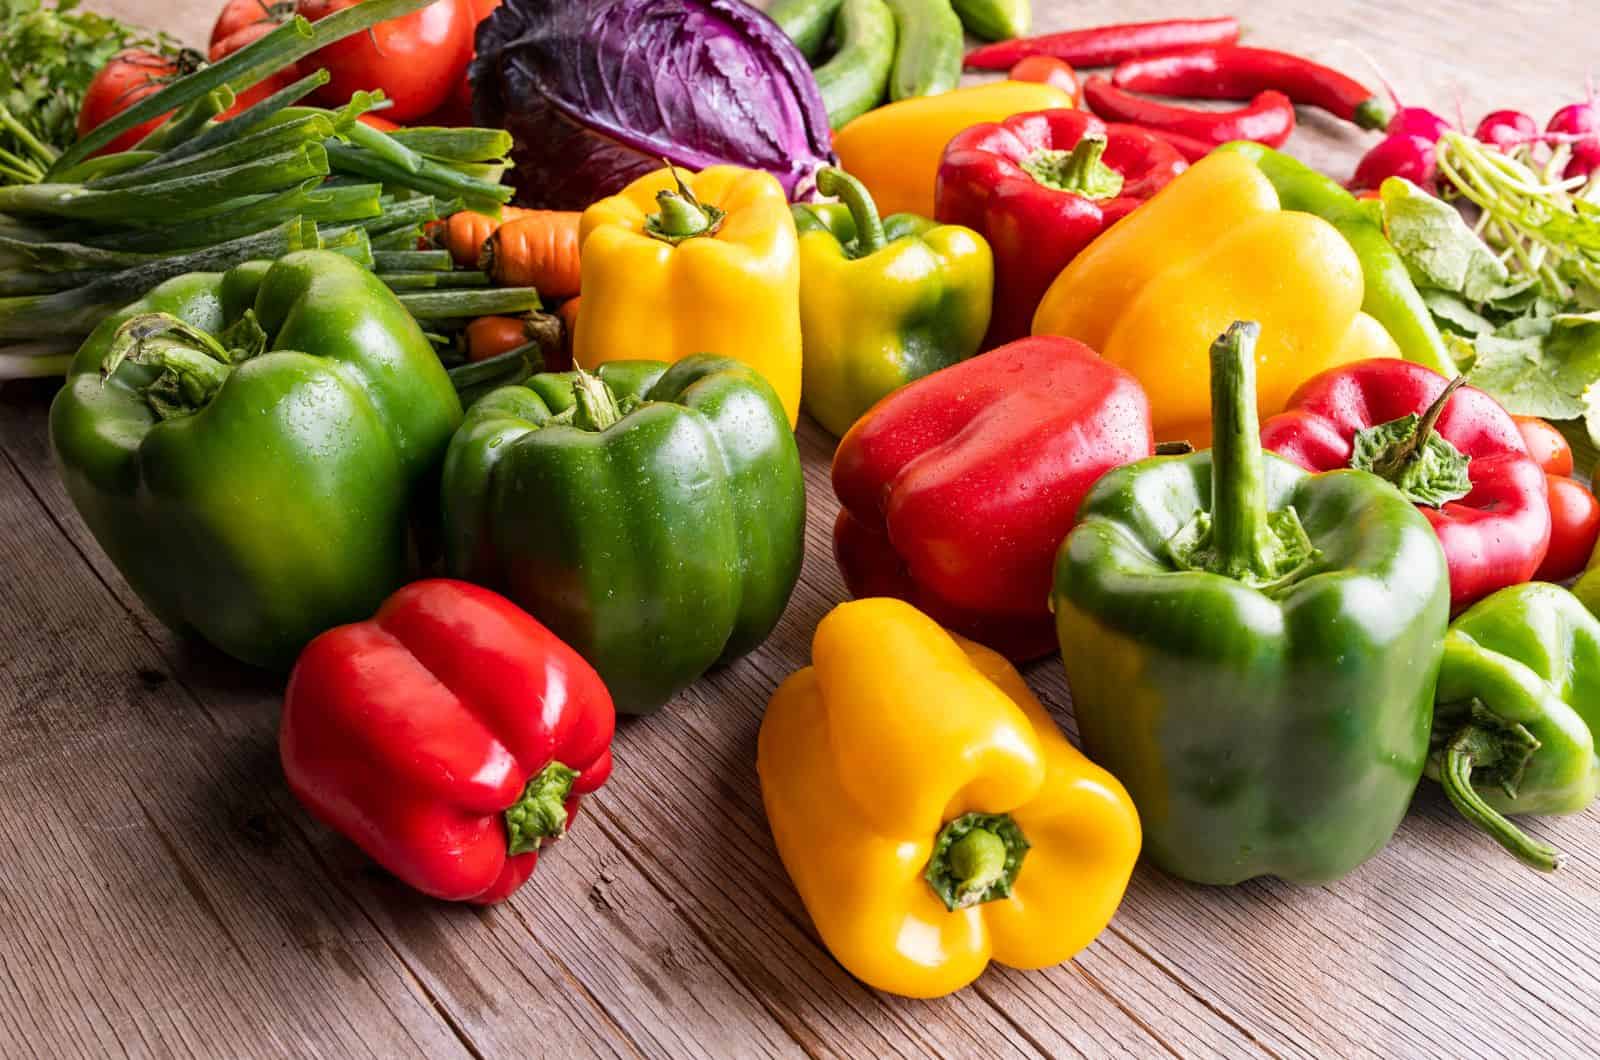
{"x": 539, "y": 250}
{"x": 464, "y": 232}
{"x": 490, "y": 336}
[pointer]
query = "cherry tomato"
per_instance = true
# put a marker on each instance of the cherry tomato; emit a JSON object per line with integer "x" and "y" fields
{"x": 1574, "y": 526}
{"x": 249, "y": 34}
{"x": 237, "y": 14}
{"x": 491, "y": 336}
{"x": 1048, "y": 70}
{"x": 124, "y": 80}
{"x": 1546, "y": 445}
{"x": 418, "y": 60}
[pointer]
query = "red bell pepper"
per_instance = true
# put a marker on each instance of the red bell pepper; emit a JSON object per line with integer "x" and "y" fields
{"x": 1039, "y": 187}
{"x": 957, "y": 490}
{"x": 1455, "y": 452}
{"x": 448, "y": 736}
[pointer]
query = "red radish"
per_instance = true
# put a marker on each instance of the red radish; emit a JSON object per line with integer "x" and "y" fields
{"x": 1579, "y": 125}
{"x": 1405, "y": 155}
{"x": 1506, "y": 129}
{"x": 1418, "y": 121}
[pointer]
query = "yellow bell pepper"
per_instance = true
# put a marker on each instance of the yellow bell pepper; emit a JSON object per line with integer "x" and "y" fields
{"x": 895, "y": 150}
{"x": 708, "y": 263}
{"x": 931, "y": 814}
{"x": 1154, "y": 291}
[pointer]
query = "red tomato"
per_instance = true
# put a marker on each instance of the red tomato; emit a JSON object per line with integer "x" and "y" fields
{"x": 1546, "y": 445}
{"x": 249, "y": 34}
{"x": 237, "y": 14}
{"x": 1574, "y": 526}
{"x": 416, "y": 59}
{"x": 377, "y": 121}
{"x": 127, "y": 78}
{"x": 1048, "y": 70}
{"x": 481, "y": 9}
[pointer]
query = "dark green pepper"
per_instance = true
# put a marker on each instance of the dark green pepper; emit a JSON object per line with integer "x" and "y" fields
{"x": 1392, "y": 298}
{"x": 1517, "y": 713}
{"x": 245, "y": 447}
{"x": 653, "y": 517}
{"x": 1252, "y": 649}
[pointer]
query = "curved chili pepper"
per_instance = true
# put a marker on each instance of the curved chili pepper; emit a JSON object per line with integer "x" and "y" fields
{"x": 1108, "y": 45}
{"x": 1232, "y": 72}
{"x": 1191, "y": 149}
{"x": 1268, "y": 119}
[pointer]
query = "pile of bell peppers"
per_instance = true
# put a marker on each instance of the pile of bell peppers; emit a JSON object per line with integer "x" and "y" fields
{"x": 1005, "y": 319}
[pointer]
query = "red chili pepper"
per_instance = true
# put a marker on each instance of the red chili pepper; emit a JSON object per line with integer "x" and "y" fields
{"x": 1191, "y": 149}
{"x": 1269, "y": 118}
{"x": 1490, "y": 510}
{"x": 957, "y": 490}
{"x": 1040, "y": 187}
{"x": 448, "y": 737}
{"x": 1108, "y": 45}
{"x": 1231, "y": 72}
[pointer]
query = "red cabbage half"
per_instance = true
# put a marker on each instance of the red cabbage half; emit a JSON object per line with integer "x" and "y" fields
{"x": 599, "y": 92}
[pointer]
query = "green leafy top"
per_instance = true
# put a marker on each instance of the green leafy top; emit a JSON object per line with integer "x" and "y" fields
{"x": 48, "y": 56}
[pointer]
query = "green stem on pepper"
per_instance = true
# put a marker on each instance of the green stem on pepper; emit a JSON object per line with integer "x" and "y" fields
{"x": 863, "y": 211}
{"x": 1465, "y": 750}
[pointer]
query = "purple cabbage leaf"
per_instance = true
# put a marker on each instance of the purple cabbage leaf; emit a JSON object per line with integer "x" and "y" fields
{"x": 599, "y": 92}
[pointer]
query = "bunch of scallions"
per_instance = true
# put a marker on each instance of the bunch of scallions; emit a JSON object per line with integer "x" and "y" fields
{"x": 199, "y": 194}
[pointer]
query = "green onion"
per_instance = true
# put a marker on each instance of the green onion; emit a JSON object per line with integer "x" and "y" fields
{"x": 245, "y": 122}
{"x": 244, "y": 69}
{"x": 77, "y": 311}
{"x": 398, "y": 239}
{"x": 310, "y": 200}
{"x": 186, "y": 121}
{"x": 412, "y": 260}
{"x": 456, "y": 145}
{"x": 463, "y": 279}
{"x": 352, "y": 243}
{"x": 410, "y": 281}
{"x": 107, "y": 165}
{"x": 36, "y": 360}
{"x": 270, "y": 141}
{"x": 383, "y": 146}
{"x": 65, "y": 256}
{"x": 165, "y": 201}
{"x": 17, "y": 281}
{"x": 435, "y": 178}
{"x": 496, "y": 301}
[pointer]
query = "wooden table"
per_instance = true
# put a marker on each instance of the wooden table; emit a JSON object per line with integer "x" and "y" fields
{"x": 163, "y": 893}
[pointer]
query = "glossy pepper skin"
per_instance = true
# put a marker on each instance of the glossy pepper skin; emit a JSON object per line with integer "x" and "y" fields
{"x": 895, "y": 149}
{"x": 1040, "y": 187}
{"x": 652, "y": 515}
{"x": 448, "y": 737}
{"x": 882, "y": 302}
{"x": 930, "y": 753}
{"x": 1252, "y": 650}
{"x": 1466, "y": 466}
{"x": 257, "y": 501}
{"x": 677, "y": 264}
{"x": 1389, "y": 296}
{"x": 1518, "y": 712}
{"x": 956, "y": 490}
{"x": 1211, "y": 248}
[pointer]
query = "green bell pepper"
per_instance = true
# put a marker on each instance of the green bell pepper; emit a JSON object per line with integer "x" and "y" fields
{"x": 652, "y": 517}
{"x": 1517, "y": 711}
{"x": 882, "y": 302}
{"x": 245, "y": 447}
{"x": 1252, "y": 649}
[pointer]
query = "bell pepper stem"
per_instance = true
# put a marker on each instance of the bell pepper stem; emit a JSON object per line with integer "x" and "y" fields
{"x": 596, "y": 407}
{"x": 1080, "y": 171}
{"x": 541, "y": 812}
{"x": 194, "y": 364}
{"x": 1390, "y": 464}
{"x": 975, "y": 858}
{"x": 1455, "y": 776}
{"x": 1238, "y": 489}
{"x": 863, "y": 211}
{"x": 680, "y": 215}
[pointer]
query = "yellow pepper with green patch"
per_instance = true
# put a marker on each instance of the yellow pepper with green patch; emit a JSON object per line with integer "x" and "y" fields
{"x": 930, "y": 812}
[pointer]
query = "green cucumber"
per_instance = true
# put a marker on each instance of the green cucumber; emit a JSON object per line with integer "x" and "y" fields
{"x": 805, "y": 22}
{"x": 927, "y": 54}
{"x": 853, "y": 81}
{"x": 995, "y": 19}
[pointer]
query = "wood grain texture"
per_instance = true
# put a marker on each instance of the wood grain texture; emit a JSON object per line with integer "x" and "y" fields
{"x": 164, "y": 894}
